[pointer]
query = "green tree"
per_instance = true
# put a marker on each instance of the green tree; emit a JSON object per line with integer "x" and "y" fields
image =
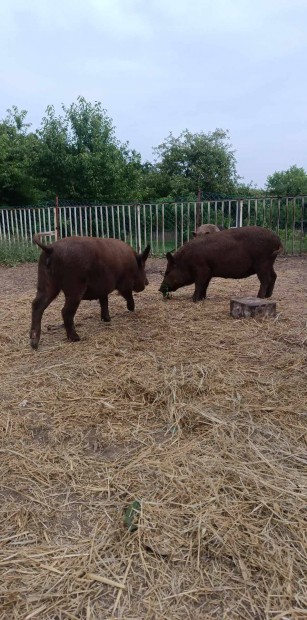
{"x": 291, "y": 182}
{"x": 18, "y": 151}
{"x": 197, "y": 160}
{"x": 82, "y": 159}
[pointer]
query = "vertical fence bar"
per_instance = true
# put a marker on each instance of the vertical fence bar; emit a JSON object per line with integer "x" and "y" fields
{"x": 202, "y": 213}
{"x": 176, "y": 224}
{"x": 229, "y": 213}
{"x": 107, "y": 222}
{"x": 21, "y": 224}
{"x": 124, "y": 223}
{"x": 215, "y": 212}
{"x": 30, "y": 223}
{"x": 44, "y": 220}
{"x": 101, "y": 221}
{"x": 181, "y": 231}
{"x": 86, "y": 211}
{"x": 91, "y": 220}
{"x": 1, "y": 226}
{"x": 223, "y": 212}
{"x": 188, "y": 223}
{"x": 96, "y": 221}
{"x": 75, "y": 230}
{"x": 68, "y": 220}
{"x": 135, "y": 227}
{"x": 118, "y": 223}
{"x": 113, "y": 222}
{"x": 278, "y": 215}
{"x": 293, "y": 222}
{"x": 145, "y": 224}
{"x": 196, "y": 218}
{"x": 63, "y": 218}
{"x": 7, "y": 225}
{"x": 16, "y": 224}
{"x": 130, "y": 228}
{"x": 2, "y": 230}
{"x": 39, "y": 220}
{"x": 248, "y": 212}
{"x": 80, "y": 220}
{"x": 35, "y": 213}
{"x": 157, "y": 229}
{"x": 270, "y": 213}
{"x": 150, "y": 219}
{"x": 56, "y": 219}
{"x": 49, "y": 224}
{"x": 25, "y": 225}
{"x": 139, "y": 240}
{"x": 12, "y": 223}
{"x": 302, "y": 225}
{"x": 208, "y": 212}
{"x": 286, "y": 224}
{"x": 163, "y": 238}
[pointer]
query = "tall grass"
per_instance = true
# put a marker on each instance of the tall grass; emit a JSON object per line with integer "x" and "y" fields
{"x": 14, "y": 252}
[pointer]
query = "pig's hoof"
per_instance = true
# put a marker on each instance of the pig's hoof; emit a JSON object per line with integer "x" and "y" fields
{"x": 34, "y": 343}
{"x": 106, "y": 319}
{"x": 74, "y": 337}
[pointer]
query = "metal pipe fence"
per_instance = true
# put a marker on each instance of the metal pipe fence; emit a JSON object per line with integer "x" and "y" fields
{"x": 165, "y": 226}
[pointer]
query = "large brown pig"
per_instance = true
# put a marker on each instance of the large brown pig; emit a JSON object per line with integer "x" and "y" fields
{"x": 85, "y": 268}
{"x": 233, "y": 253}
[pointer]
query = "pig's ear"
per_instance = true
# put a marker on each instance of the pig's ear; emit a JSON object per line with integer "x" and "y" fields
{"x": 145, "y": 254}
{"x": 170, "y": 257}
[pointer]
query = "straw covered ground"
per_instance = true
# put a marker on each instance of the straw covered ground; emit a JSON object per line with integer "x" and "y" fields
{"x": 196, "y": 419}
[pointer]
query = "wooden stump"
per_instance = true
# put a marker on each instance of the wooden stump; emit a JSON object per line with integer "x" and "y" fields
{"x": 247, "y": 307}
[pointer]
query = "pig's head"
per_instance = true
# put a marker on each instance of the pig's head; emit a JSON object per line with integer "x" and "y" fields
{"x": 141, "y": 279}
{"x": 176, "y": 275}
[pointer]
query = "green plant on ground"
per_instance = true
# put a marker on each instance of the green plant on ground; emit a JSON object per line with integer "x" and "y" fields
{"x": 13, "y": 252}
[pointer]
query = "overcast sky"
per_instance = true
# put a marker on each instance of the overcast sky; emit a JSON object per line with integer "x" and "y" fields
{"x": 167, "y": 65}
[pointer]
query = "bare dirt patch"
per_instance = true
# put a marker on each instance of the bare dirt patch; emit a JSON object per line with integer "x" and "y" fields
{"x": 199, "y": 417}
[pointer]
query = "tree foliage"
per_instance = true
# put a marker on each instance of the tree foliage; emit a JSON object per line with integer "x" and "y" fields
{"x": 194, "y": 161}
{"x": 291, "y": 182}
{"x": 76, "y": 154}
{"x": 18, "y": 151}
{"x": 81, "y": 157}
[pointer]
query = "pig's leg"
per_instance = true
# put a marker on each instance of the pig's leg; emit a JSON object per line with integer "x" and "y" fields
{"x": 104, "y": 309}
{"x": 127, "y": 295}
{"x": 264, "y": 276}
{"x": 270, "y": 288}
{"x": 201, "y": 286}
{"x": 42, "y": 300}
{"x": 68, "y": 312}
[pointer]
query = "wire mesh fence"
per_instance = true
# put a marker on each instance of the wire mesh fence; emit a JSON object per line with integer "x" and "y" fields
{"x": 165, "y": 226}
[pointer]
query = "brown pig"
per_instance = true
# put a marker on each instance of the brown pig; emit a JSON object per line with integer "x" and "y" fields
{"x": 85, "y": 268}
{"x": 234, "y": 253}
{"x": 206, "y": 229}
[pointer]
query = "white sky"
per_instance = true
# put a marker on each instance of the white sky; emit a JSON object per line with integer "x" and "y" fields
{"x": 167, "y": 65}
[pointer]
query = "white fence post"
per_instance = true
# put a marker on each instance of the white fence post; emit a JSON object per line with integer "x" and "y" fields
{"x": 139, "y": 239}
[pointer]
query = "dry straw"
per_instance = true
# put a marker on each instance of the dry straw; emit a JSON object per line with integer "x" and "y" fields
{"x": 200, "y": 418}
